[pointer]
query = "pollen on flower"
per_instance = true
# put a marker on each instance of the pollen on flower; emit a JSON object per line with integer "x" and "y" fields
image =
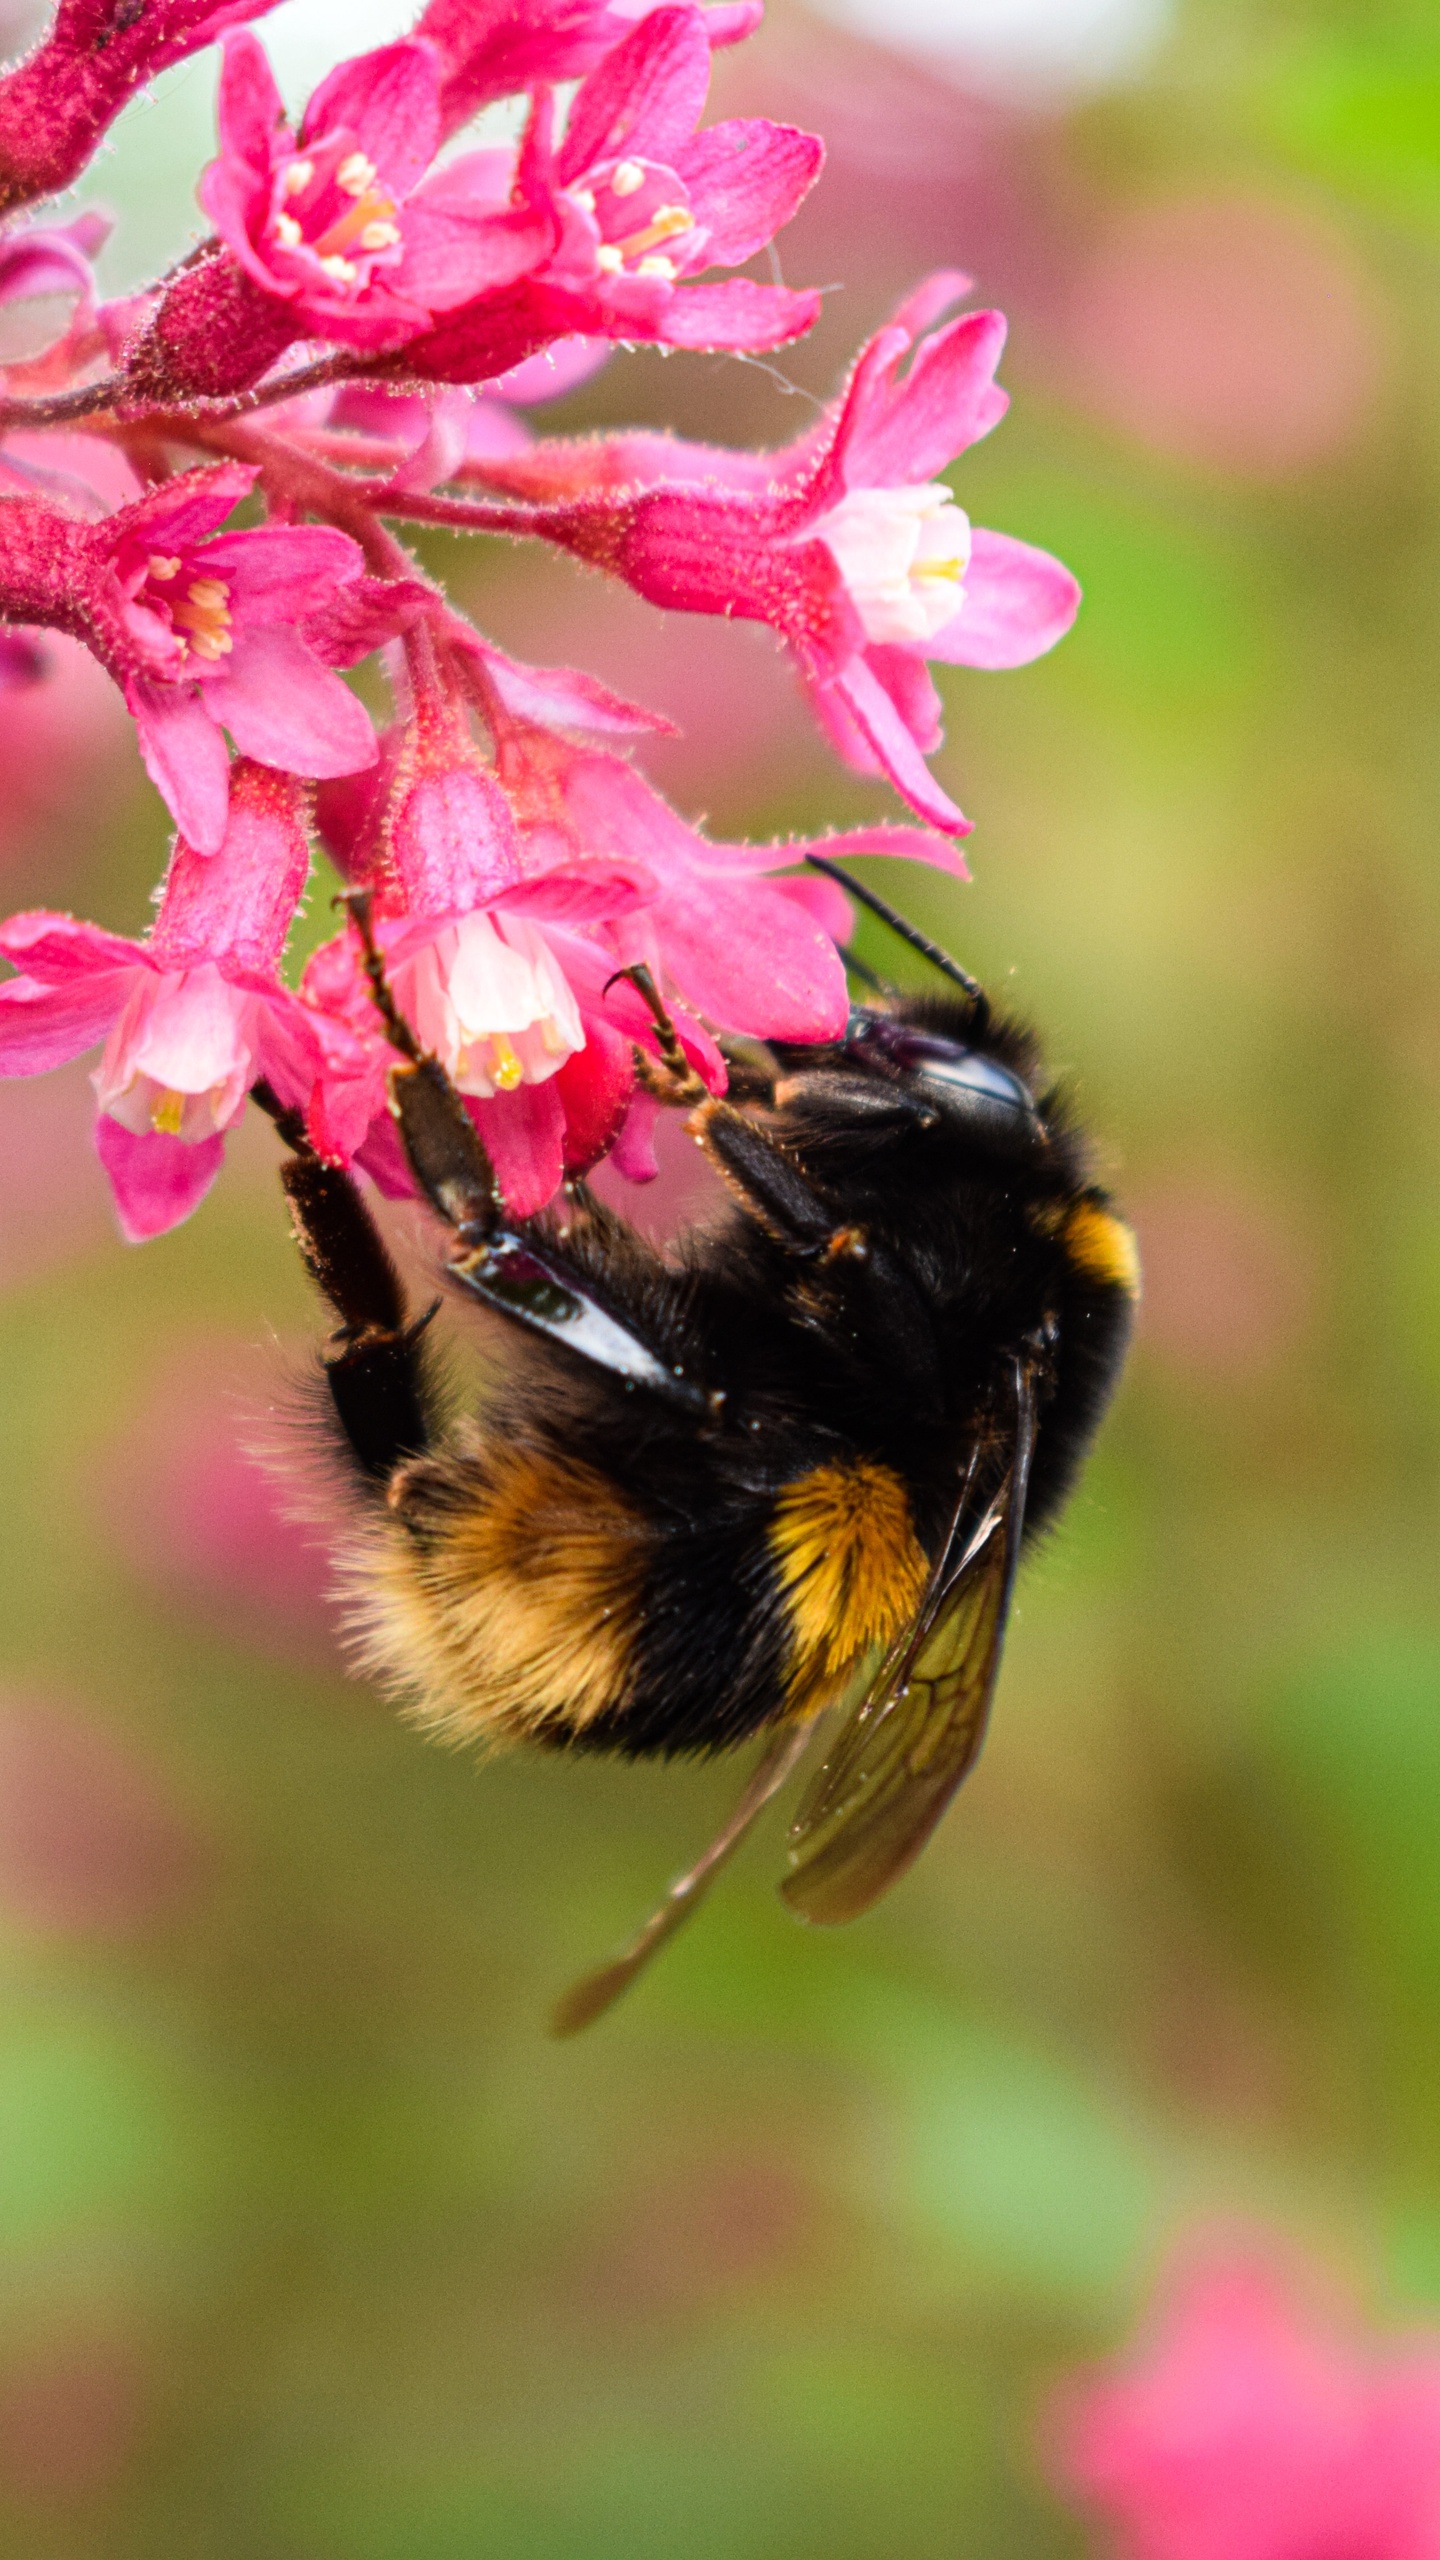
{"x": 628, "y": 178}
{"x": 288, "y": 231}
{"x": 356, "y": 174}
{"x": 167, "y": 1111}
{"x": 297, "y": 177}
{"x": 506, "y": 1070}
{"x": 611, "y": 262}
{"x": 662, "y": 267}
{"x": 161, "y": 567}
{"x": 340, "y": 268}
{"x": 205, "y": 617}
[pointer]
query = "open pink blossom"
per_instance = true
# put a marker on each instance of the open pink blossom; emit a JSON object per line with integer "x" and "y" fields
{"x": 848, "y": 543}
{"x": 1253, "y": 2425}
{"x": 55, "y": 105}
{"x": 491, "y": 49}
{"x": 202, "y": 630}
{"x": 47, "y": 288}
{"x": 336, "y": 232}
{"x": 641, "y": 202}
{"x": 190, "y": 1018}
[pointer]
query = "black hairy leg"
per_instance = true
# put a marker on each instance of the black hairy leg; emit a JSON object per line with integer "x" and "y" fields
{"x": 374, "y": 1365}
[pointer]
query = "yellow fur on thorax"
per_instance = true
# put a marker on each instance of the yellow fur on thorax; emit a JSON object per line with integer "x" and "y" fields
{"x": 1101, "y": 1247}
{"x": 851, "y": 1568}
{"x": 514, "y": 1611}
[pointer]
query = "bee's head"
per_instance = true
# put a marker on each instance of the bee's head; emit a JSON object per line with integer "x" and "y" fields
{"x": 974, "y": 1073}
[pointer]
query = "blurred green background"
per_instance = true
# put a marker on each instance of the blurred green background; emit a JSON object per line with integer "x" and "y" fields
{"x": 313, "y": 2247}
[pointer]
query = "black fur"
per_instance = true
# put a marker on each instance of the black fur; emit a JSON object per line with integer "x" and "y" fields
{"x": 896, "y": 1247}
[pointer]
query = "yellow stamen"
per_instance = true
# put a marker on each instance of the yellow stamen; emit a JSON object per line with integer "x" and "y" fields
{"x": 940, "y": 569}
{"x": 339, "y": 269}
{"x": 297, "y": 177}
{"x": 355, "y": 174}
{"x": 162, "y": 568}
{"x": 380, "y": 235}
{"x": 628, "y": 178}
{"x": 351, "y": 226}
{"x": 205, "y": 617}
{"x": 166, "y": 1113}
{"x": 611, "y": 262}
{"x": 288, "y": 231}
{"x": 664, "y": 268}
{"x": 505, "y": 1069}
{"x": 668, "y": 220}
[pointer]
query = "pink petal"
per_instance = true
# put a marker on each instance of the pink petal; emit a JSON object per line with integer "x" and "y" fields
{"x": 824, "y": 903}
{"x": 1018, "y": 602}
{"x": 892, "y": 434}
{"x": 646, "y": 97}
{"x": 632, "y": 1153}
{"x": 906, "y": 678}
{"x": 745, "y": 178}
{"x": 565, "y": 697}
{"x": 184, "y": 755}
{"x": 736, "y": 314}
{"x": 453, "y": 840}
{"x": 752, "y": 962}
{"x": 390, "y": 101}
{"x": 279, "y": 573}
{"x": 43, "y": 1027}
{"x": 361, "y": 616}
{"x": 581, "y": 893}
{"x": 183, "y": 510}
{"x": 282, "y": 707}
{"x": 61, "y": 950}
{"x": 523, "y": 1134}
{"x": 157, "y": 1180}
{"x": 455, "y": 250}
{"x": 248, "y": 107}
{"x": 237, "y": 906}
{"x": 931, "y": 300}
{"x": 544, "y": 377}
{"x": 895, "y": 750}
{"x": 595, "y": 1087}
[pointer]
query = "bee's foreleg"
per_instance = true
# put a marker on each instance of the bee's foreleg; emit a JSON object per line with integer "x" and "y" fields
{"x": 374, "y": 1367}
{"x": 770, "y": 1186}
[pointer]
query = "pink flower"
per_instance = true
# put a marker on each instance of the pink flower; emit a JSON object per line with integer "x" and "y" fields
{"x": 56, "y": 105}
{"x": 490, "y": 49}
{"x": 847, "y": 543}
{"x": 1254, "y": 2426}
{"x": 335, "y": 232}
{"x": 190, "y": 1018}
{"x": 640, "y": 201}
{"x": 202, "y": 630}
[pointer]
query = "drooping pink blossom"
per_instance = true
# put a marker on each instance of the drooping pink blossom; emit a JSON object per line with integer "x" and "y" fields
{"x": 847, "y": 544}
{"x": 55, "y": 105}
{"x": 1254, "y": 2424}
{"x": 202, "y": 630}
{"x": 190, "y": 1018}
{"x": 641, "y": 202}
{"x": 336, "y": 232}
{"x": 490, "y": 49}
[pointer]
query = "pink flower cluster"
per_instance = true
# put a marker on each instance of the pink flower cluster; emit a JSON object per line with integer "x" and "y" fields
{"x": 203, "y": 485}
{"x": 1254, "y": 2425}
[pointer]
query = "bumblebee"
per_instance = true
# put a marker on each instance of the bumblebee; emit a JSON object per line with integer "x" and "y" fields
{"x": 789, "y": 1467}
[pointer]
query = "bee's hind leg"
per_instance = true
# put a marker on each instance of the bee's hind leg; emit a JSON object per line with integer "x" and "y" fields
{"x": 374, "y": 1365}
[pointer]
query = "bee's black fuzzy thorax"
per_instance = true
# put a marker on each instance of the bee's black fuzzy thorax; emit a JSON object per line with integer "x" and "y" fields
{"x": 662, "y": 1549}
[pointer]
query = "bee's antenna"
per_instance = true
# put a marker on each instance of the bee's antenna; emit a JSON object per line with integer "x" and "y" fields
{"x": 907, "y": 931}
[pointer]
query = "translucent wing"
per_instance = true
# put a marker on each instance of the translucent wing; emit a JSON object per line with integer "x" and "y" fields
{"x": 917, "y": 1731}
{"x": 589, "y": 1998}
